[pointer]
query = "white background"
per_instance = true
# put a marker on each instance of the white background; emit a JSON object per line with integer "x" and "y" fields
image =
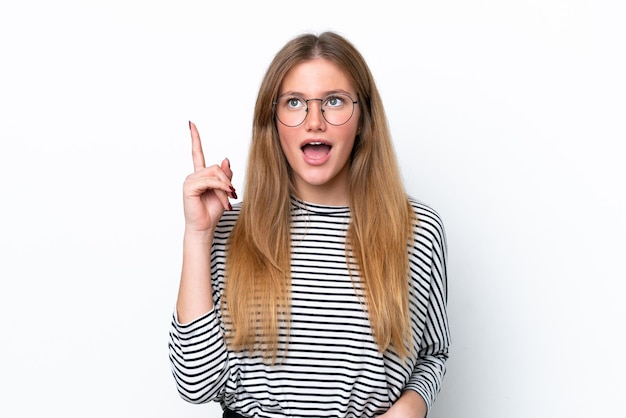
{"x": 508, "y": 117}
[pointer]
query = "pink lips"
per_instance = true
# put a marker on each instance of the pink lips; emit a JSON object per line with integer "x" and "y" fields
{"x": 316, "y": 152}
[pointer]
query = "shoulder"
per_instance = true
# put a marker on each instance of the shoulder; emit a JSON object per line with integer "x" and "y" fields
{"x": 429, "y": 222}
{"x": 228, "y": 220}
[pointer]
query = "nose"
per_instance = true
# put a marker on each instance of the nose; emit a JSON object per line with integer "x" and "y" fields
{"x": 314, "y": 117}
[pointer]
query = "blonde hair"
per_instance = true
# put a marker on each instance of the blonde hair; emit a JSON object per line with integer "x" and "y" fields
{"x": 258, "y": 286}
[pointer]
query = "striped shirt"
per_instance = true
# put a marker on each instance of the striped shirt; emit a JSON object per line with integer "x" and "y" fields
{"x": 332, "y": 366}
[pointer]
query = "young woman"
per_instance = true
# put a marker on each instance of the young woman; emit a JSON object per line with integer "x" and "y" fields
{"x": 322, "y": 294}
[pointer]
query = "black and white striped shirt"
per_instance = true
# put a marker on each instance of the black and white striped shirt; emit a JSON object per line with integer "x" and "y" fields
{"x": 332, "y": 366}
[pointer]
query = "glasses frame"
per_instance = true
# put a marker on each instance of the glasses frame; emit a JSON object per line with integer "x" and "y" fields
{"x": 306, "y": 111}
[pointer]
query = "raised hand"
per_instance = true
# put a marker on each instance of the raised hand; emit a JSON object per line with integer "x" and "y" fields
{"x": 206, "y": 191}
{"x": 205, "y": 198}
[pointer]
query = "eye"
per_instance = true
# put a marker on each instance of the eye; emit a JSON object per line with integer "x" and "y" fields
{"x": 293, "y": 102}
{"x": 334, "y": 101}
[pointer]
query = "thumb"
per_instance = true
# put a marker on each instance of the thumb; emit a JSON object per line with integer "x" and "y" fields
{"x": 226, "y": 168}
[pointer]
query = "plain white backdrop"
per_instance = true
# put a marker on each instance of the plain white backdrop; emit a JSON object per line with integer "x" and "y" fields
{"x": 508, "y": 118}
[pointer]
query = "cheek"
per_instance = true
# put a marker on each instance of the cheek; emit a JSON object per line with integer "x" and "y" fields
{"x": 349, "y": 134}
{"x": 353, "y": 125}
{"x": 285, "y": 138}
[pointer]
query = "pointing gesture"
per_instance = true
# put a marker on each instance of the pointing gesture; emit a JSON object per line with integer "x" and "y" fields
{"x": 206, "y": 191}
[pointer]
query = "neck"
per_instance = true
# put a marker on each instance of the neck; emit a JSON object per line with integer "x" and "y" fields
{"x": 326, "y": 194}
{"x": 320, "y": 198}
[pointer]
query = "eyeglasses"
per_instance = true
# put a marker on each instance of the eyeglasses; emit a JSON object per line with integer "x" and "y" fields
{"x": 291, "y": 110}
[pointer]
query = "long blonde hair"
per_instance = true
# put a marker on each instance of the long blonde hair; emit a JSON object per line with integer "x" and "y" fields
{"x": 258, "y": 285}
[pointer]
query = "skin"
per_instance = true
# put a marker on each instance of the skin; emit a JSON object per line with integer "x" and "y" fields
{"x": 325, "y": 183}
{"x": 409, "y": 405}
{"x": 205, "y": 198}
{"x": 207, "y": 190}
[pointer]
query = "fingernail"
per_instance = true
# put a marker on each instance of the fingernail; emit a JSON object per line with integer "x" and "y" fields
{"x": 190, "y": 125}
{"x": 228, "y": 162}
{"x": 230, "y": 207}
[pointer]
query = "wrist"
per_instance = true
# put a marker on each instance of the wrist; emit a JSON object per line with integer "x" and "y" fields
{"x": 410, "y": 404}
{"x": 191, "y": 235}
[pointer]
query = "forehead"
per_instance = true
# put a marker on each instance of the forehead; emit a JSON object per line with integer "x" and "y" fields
{"x": 314, "y": 77}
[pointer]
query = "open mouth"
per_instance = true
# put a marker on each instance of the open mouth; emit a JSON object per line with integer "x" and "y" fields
{"x": 316, "y": 150}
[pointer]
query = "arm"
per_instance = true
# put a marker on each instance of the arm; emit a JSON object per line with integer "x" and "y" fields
{"x": 198, "y": 358}
{"x": 430, "y": 368}
{"x": 432, "y": 353}
{"x": 425, "y": 382}
{"x": 194, "y": 292}
{"x": 205, "y": 197}
{"x": 409, "y": 405}
{"x": 198, "y": 354}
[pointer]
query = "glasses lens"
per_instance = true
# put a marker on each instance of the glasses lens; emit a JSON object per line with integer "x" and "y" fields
{"x": 337, "y": 109}
{"x": 291, "y": 110}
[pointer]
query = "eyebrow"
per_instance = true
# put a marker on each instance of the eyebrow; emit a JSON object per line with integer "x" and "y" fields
{"x": 327, "y": 93}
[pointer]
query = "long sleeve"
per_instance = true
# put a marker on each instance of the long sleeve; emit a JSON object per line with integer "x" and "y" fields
{"x": 199, "y": 358}
{"x": 430, "y": 367}
{"x": 198, "y": 353}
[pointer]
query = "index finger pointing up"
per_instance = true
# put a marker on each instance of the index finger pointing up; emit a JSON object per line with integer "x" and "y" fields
{"x": 196, "y": 148}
